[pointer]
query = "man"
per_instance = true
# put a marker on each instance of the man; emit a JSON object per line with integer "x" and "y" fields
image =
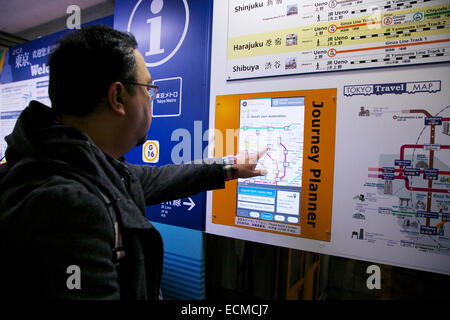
{"x": 68, "y": 205}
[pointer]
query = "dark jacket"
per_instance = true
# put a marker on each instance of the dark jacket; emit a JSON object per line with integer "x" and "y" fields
{"x": 52, "y": 217}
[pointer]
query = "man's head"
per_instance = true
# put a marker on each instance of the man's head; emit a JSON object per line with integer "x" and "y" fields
{"x": 84, "y": 65}
{"x": 95, "y": 77}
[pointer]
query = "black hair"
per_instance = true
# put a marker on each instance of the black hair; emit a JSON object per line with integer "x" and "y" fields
{"x": 84, "y": 65}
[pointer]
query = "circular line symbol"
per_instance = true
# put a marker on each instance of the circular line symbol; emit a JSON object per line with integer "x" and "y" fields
{"x": 150, "y": 146}
{"x": 418, "y": 16}
{"x": 332, "y": 52}
{"x": 186, "y": 9}
{"x": 332, "y": 28}
{"x": 387, "y": 21}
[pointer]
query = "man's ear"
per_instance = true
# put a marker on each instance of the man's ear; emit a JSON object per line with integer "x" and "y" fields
{"x": 117, "y": 97}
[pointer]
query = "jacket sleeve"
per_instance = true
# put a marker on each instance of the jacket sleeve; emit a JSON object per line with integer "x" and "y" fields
{"x": 176, "y": 181}
{"x": 61, "y": 246}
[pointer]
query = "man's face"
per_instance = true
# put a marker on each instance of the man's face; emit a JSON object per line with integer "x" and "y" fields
{"x": 140, "y": 110}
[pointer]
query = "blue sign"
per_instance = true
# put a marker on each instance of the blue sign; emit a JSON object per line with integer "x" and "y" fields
{"x": 388, "y": 170}
{"x": 387, "y": 176}
{"x": 433, "y": 121}
{"x": 10, "y": 114}
{"x": 432, "y": 231}
{"x": 174, "y": 39}
{"x": 168, "y": 99}
{"x": 431, "y": 174}
{"x": 257, "y": 192}
{"x": 404, "y": 163}
{"x": 287, "y": 102}
{"x": 29, "y": 60}
{"x": 426, "y": 214}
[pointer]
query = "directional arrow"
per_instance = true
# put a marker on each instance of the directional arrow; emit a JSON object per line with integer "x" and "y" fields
{"x": 191, "y": 204}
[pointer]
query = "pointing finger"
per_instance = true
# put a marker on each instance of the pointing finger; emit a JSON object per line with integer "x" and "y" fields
{"x": 261, "y": 152}
{"x": 261, "y": 172}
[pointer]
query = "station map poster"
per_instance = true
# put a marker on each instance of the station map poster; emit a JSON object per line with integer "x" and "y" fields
{"x": 174, "y": 39}
{"x": 390, "y": 178}
{"x": 391, "y": 187}
{"x": 295, "y": 197}
{"x": 290, "y": 37}
{"x": 395, "y": 195}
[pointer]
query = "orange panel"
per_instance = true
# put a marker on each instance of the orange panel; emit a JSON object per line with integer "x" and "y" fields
{"x": 318, "y": 159}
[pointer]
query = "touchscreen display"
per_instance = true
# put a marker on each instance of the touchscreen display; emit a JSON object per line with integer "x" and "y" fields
{"x": 278, "y": 124}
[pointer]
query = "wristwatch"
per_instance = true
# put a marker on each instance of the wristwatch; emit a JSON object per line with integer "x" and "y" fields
{"x": 229, "y": 169}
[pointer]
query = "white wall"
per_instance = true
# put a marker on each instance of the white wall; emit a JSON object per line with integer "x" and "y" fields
{"x": 360, "y": 144}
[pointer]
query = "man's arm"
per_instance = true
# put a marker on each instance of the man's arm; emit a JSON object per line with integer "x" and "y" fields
{"x": 170, "y": 182}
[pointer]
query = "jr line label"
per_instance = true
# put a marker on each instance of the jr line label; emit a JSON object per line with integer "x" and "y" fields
{"x": 289, "y": 37}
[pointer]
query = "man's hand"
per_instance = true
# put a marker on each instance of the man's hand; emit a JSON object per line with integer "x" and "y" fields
{"x": 246, "y": 164}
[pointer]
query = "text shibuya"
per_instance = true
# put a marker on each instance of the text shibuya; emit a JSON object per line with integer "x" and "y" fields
{"x": 245, "y": 68}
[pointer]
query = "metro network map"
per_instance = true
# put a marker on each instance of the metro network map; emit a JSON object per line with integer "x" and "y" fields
{"x": 398, "y": 196}
{"x": 291, "y": 36}
{"x": 276, "y": 123}
{"x": 281, "y": 130}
